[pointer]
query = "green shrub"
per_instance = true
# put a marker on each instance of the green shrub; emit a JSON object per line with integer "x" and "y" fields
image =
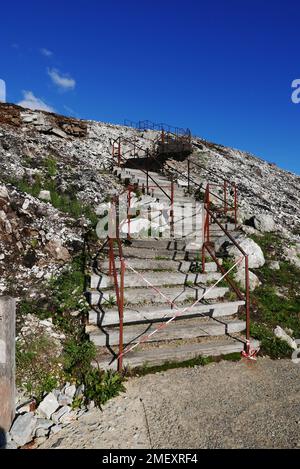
{"x": 101, "y": 386}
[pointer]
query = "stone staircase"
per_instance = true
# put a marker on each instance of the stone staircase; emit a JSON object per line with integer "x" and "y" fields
{"x": 173, "y": 266}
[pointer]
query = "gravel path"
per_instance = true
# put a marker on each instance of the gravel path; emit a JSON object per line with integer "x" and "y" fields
{"x": 221, "y": 405}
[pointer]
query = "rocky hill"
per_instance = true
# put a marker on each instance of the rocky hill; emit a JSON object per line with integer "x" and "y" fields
{"x": 55, "y": 170}
{"x": 55, "y": 173}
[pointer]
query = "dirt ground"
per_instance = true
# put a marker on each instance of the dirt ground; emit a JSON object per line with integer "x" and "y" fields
{"x": 221, "y": 405}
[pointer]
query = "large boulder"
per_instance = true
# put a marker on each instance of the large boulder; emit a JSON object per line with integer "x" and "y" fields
{"x": 240, "y": 277}
{"x": 255, "y": 254}
{"x": 264, "y": 223}
{"x": 23, "y": 428}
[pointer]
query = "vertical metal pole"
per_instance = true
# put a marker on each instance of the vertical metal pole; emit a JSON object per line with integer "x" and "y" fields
{"x": 119, "y": 152}
{"x": 208, "y": 206}
{"x": 247, "y": 286}
{"x": 172, "y": 208}
{"x": 128, "y": 211}
{"x": 188, "y": 162}
{"x": 121, "y": 315}
{"x": 235, "y": 205}
{"x": 147, "y": 181}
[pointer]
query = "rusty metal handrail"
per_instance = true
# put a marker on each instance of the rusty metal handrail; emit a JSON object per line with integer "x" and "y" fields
{"x": 206, "y": 245}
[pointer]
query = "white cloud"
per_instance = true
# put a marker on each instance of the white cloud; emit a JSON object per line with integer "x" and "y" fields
{"x": 32, "y": 102}
{"x": 63, "y": 81}
{"x": 46, "y": 52}
{"x": 2, "y": 91}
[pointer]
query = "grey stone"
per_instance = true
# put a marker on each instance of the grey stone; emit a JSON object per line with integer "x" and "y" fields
{"x": 41, "y": 432}
{"x": 55, "y": 429}
{"x": 255, "y": 255}
{"x": 45, "y": 195}
{"x": 264, "y": 223}
{"x": 79, "y": 391}
{"x": 48, "y": 406}
{"x": 281, "y": 334}
{"x": 23, "y": 428}
{"x": 274, "y": 265}
{"x": 63, "y": 399}
{"x": 57, "y": 415}
{"x": 58, "y": 132}
{"x": 240, "y": 277}
{"x": 44, "y": 424}
{"x": 70, "y": 390}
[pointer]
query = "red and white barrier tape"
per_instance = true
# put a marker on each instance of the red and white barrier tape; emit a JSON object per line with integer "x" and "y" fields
{"x": 179, "y": 311}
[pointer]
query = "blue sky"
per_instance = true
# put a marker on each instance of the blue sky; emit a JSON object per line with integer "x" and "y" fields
{"x": 222, "y": 68}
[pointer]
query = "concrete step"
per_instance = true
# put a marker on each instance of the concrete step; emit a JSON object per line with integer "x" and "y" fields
{"x": 181, "y": 329}
{"x": 151, "y": 356}
{"x": 155, "y": 278}
{"x": 144, "y": 313}
{"x": 160, "y": 254}
{"x": 160, "y": 265}
{"x": 169, "y": 244}
{"x": 148, "y": 295}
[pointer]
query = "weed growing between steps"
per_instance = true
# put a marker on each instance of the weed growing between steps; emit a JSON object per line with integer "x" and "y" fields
{"x": 197, "y": 361}
{"x": 43, "y": 362}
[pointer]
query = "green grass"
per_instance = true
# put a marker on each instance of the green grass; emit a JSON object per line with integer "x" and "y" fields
{"x": 38, "y": 369}
{"x": 65, "y": 202}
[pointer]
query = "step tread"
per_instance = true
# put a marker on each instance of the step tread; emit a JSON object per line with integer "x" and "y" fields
{"x": 173, "y": 293}
{"x": 180, "y": 329}
{"x": 146, "y": 313}
{"x": 153, "y": 355}
{"x": 131, "y": 279}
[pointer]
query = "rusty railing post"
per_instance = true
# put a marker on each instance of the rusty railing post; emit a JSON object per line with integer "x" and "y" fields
{"x": 247, "y": 288}
{"x": 235, "y": 205}
{"x": 119, "y": 152}
{"x": 147, "y": 181}
{"x": 172, "y": 208}
{"x": 121, "y": 314}
{"x": 128, "y": 211}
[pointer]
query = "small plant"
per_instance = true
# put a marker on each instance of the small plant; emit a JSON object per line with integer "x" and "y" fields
{"x": 102, "y": 386}
{"x": 50, "y": 164}
{"x": 110, "y": 301}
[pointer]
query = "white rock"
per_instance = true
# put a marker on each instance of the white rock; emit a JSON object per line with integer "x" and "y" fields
{"x": 56, "y": 417}
{"x": 70, "y": 390}
{"x": 23, "y": 428}
{"x": 281, "y": 334}
{"x": 255, "y": 255}
{"x": 240, "y": 277}
{"x": 48, "y": 406}
{"x": 264, "y": 223}
{"x": 45, "y": 195}
{"x": 3, "y": 193}
{"x": 274, "y": 265}
{"x": 26, "y": 204}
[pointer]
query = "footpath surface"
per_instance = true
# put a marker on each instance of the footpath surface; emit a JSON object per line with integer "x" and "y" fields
{"x": 221, "y": 405}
